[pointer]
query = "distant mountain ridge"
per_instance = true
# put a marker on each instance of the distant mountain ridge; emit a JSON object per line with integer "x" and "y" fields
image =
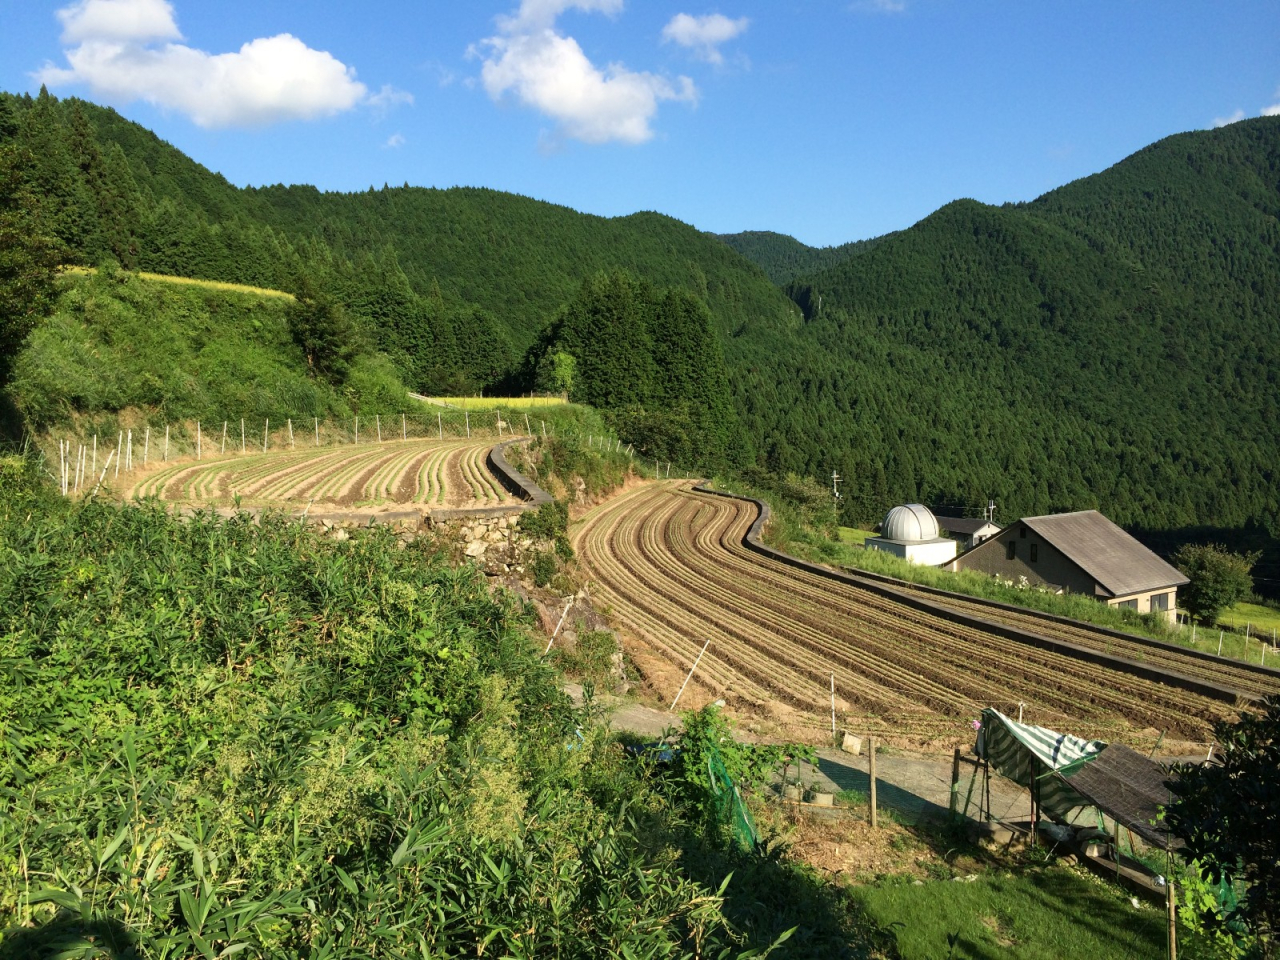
{"x": 784, "y": 258}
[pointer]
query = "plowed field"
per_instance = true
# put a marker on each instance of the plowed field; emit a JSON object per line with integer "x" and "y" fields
{"x": 670, "y": 565}
{"x": 432, "y": 473}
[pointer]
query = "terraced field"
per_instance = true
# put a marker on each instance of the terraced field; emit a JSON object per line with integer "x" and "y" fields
{"x": 430, "y": 473}
{"x": 670, "y": 564}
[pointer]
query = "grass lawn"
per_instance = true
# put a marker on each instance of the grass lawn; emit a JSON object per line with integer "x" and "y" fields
{"x": 854, "y": 535}
{"x": 501, "y": 403}
{"x": 1044, "y": 913}
{"x": 1264, "y": 619}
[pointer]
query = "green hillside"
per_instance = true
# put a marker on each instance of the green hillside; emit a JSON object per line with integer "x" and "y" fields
{"x": 785, "y": 258}
{"x": 1113, "y": 343}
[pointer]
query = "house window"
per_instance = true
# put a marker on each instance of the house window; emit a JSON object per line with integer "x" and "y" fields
{"x": 1129, "y": 604}
{"x": 1023, "y": 533}
{"x": 1035, "y": 552}
{"x": 1011, "y": 550}
{"x": 1159, "y": 601}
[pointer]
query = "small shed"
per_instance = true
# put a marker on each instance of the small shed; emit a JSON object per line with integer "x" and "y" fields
{"x": 968, "y": 532}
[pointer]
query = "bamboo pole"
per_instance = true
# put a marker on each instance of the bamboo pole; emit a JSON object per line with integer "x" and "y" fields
{"x": 690, "y": 676}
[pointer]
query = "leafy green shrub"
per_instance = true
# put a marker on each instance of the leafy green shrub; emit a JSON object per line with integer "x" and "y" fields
{"x": 218, "y": 735}
{"x": 592, "y": 655}
{"x": 544, "y": 568}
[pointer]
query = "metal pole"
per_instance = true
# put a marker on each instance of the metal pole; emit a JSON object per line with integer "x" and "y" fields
{"x": 690, "y": 677}
{"x": 105, "y": 467}
{"x": 1219, "y": 643}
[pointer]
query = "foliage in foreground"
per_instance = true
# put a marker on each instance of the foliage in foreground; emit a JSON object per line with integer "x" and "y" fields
{"x": 1229, "y": 816}
{"x": 217, "y": 736}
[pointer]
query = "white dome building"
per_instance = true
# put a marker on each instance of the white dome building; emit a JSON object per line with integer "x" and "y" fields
{"x": 912, "y": 532}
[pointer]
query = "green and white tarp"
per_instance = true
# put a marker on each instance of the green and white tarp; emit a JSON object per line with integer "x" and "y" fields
{"x": 1027, "y": 754}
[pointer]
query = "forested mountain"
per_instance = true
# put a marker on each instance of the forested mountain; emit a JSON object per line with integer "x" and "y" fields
{"x": 1111, "y": 344}
{"x": 785, "y": 258}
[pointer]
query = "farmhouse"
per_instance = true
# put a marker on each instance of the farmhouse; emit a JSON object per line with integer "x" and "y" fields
{"x": 912, "y": 532}
{"x": 968, "y": 532}
{"x": 1080, "y": 552}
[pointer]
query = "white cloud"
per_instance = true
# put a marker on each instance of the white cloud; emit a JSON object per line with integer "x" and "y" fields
{"x": 704, "y": 35}
{"x": 881, "y": 6}
{"x": 395, "y": 140}
{"x": 389, "y": 97}
{"x": 139, "y": 20}
{"x": 550, "y": 72}
{"x": 1226, "y": 121}
{"x": 1274, "y": 109}
{"x": 119, "y": 51}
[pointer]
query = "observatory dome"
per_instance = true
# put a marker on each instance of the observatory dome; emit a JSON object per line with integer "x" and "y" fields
{"x": 912, "y": 523}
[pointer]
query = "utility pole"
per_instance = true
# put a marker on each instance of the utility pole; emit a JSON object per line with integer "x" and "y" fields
{"x": 835, "y": 493}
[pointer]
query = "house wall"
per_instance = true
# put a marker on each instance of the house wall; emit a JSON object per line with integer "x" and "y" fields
{"x": 1050, "y": 568}
{"x": 1142, "y": 602}
{"x": 931, "y": 553}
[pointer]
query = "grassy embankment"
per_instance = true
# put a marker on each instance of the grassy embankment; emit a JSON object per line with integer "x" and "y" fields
{"x": 501, "y": 403}
{"x": 125, "y": 352}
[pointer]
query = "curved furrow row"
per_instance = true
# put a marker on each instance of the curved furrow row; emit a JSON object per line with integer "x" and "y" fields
{"x": 938, "y": 641}
{"x": 675, "y": 556}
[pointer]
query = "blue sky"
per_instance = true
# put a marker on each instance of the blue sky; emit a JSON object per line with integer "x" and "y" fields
{"x": 830, "y": 121}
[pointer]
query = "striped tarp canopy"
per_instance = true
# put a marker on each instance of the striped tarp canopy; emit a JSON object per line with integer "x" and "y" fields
{"x": 1023, "y": 753}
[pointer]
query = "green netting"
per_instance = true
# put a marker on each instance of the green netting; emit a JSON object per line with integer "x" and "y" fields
{"x": 730, "y": 809}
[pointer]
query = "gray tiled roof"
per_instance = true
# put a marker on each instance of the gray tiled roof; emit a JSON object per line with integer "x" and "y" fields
{"x": 968, "y": 525}
{"x": 1120, "y": 564}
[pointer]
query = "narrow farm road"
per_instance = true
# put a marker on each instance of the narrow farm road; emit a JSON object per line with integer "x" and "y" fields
{"x": 668, "y": 563}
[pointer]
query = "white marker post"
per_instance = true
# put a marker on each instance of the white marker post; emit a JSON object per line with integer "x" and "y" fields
{"x": 166, "y": 443}
{"x": 223, "y": 451}
{"x": 690, "y": 676}
{"x": 105, "y": 467}
{"x": 265, "y": 424}
{"x": 317, "y": 420}
{"x": 146, "y": 446}
{"x": 292, "y": 445}
{"x": 119, "y": 449}
{"x": 833, "y": 705}
{"x": 377, "y": 420}
{"x": 527, "y": 429}
{"x": 404, "y": 428}
{"x": 440, "y": 424}
{"x": 199, "y": 450}
{"x": 242, "y": 450}
{"x": 1219, "y": 643}
{"x": 357, "y": 440}
{"x": 467, "y": 415}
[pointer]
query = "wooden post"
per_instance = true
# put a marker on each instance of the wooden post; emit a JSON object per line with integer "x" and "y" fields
{"x": 377, "y": 419}
{"x": 292, "y": 446}
{"x": 199, "y": 441}
{"x": 317, "y": 420}
{"x": 357, "y": 440}
{"x": 146, "y": 445}
{"x": 690, "y": 676}
{"x": 1172, "y": 901}
{"x": 404, "y": 428}
{"x": 871, "y": 760}
{"x": 166, "y": 443}
{"x": 955, "y": 783}
{"x": 224, "y": 437}
{"x": 242, "y": 450}
{"x": 440, "y": 424}
{"x": 467, "y": 415}
{"x": 265, "y": 424}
